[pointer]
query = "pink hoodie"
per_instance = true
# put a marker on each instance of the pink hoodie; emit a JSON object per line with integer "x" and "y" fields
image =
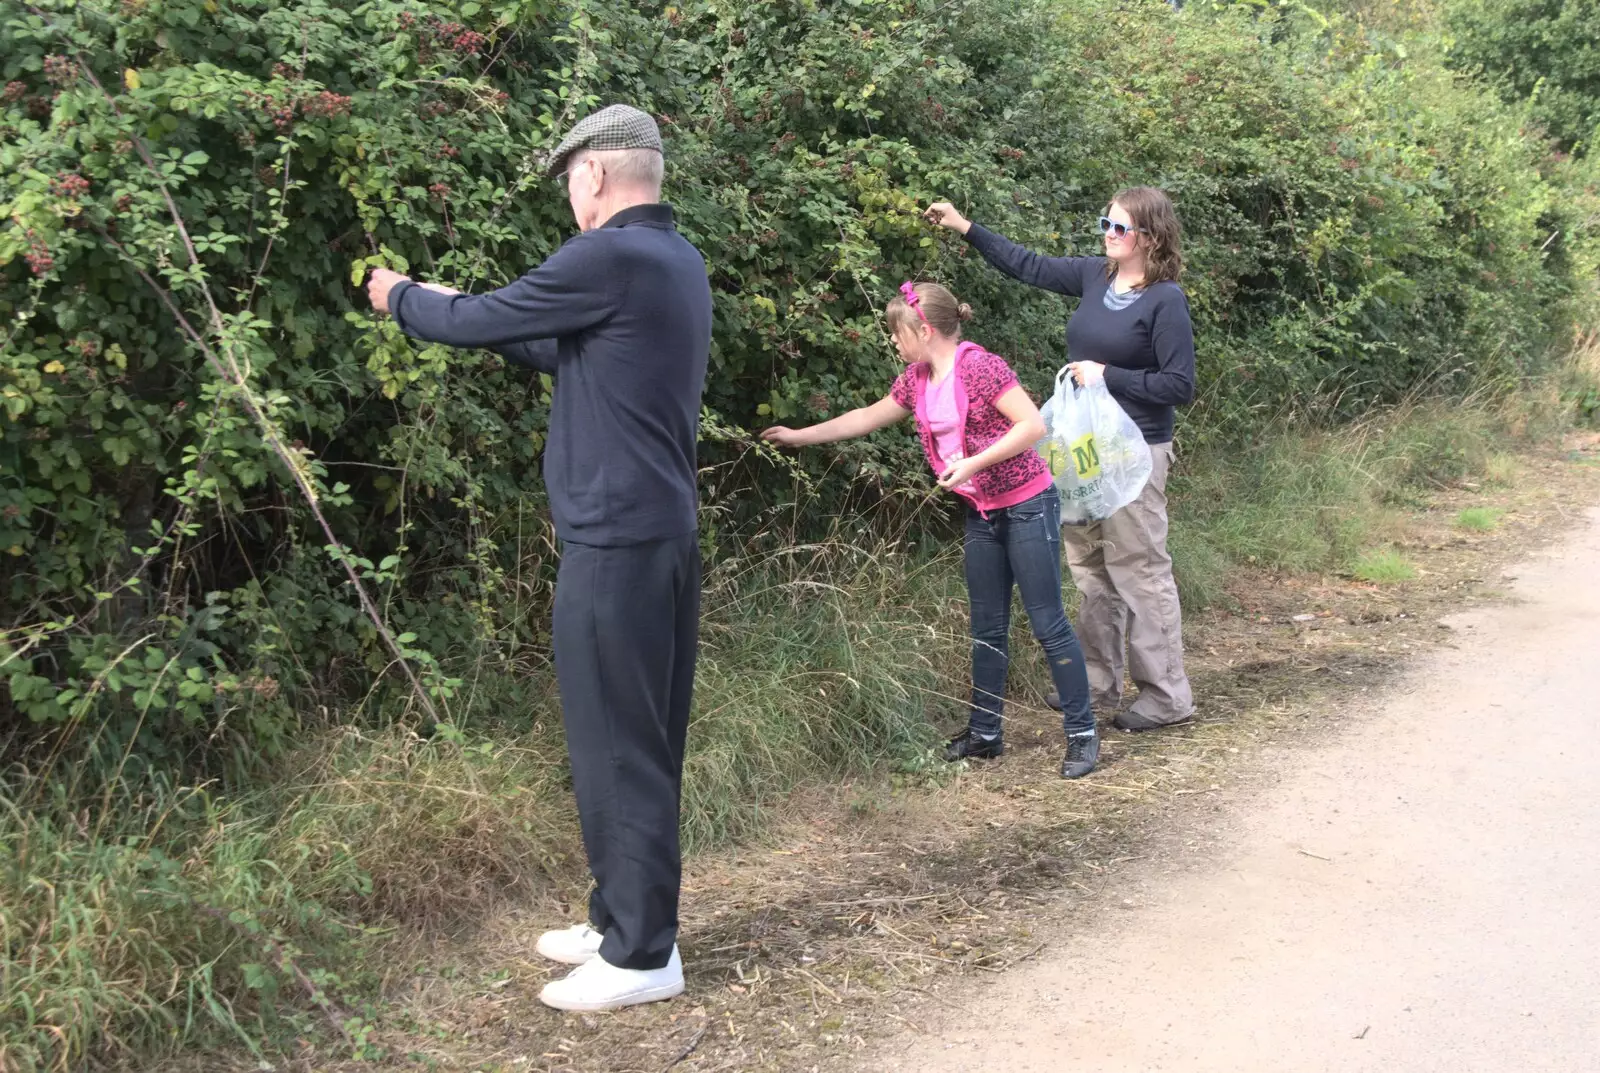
{"x": 981, "y": 378}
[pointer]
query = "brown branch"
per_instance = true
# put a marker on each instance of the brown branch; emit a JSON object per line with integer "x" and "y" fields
{"x": 272, "y": 236}
{"x": 269, "y": 431}
{"x": 690, "y": 1049}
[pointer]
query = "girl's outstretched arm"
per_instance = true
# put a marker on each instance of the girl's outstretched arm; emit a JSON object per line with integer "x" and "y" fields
{"x": 857, "y": 422}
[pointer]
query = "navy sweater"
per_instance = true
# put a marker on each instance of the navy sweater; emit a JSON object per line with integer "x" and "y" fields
{"x": 628, "y": 307}
{"x": 1147, "y": 348}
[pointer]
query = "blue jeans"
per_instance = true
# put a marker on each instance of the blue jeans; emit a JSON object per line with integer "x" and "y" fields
{"x": 1021, "y": 545}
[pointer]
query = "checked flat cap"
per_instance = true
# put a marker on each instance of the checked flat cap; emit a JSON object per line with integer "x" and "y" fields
{"x": 619, "y": 126}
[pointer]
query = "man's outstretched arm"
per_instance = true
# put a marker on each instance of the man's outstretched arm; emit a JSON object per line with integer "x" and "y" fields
{"x": 575, "y": 289}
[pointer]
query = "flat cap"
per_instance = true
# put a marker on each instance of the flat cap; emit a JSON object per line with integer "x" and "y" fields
{"x": 619, "y": 126}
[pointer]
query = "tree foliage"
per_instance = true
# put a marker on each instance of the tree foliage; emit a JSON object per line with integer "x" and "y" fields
{"x": 1546, "y": 52}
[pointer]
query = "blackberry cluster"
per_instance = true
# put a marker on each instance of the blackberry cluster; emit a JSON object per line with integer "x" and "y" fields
{"x": 326, "y": 105}
{"x": 60, "y": 71}
{"x": 38, "y": 256}
{"x": 69, "y": 184}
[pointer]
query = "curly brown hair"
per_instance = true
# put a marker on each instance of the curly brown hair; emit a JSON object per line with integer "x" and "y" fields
{"x": 1152, "y": 212}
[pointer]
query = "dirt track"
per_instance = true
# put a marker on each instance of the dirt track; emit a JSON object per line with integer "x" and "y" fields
{"x": 1420, "y": 894}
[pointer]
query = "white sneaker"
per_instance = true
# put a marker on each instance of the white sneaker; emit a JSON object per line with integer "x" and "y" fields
{"x": 599, "y": 985}
{"x": 576, "y": 945}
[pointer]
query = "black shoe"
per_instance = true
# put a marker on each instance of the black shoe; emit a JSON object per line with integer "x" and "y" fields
{"x": 1083, "y": 753}
{"x": 968, "y": 746}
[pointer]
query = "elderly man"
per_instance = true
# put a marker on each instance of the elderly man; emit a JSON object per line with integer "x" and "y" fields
{"x": 621, "y": 315}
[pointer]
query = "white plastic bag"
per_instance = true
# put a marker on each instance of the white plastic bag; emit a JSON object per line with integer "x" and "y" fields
{"x": 1094, "y": 450}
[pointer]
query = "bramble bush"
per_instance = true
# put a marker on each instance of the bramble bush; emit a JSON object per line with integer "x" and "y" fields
{"x": 192, "y": 191}
{"x": 235, "y": 507}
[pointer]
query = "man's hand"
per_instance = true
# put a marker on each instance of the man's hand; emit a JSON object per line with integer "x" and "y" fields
{"x": 946, "y": 215}
{"x": 1087, "y": 373}
{"x": 379, "y": 284}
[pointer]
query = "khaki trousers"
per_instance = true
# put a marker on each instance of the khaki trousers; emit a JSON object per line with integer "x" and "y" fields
{"x": 1122, "y": 568}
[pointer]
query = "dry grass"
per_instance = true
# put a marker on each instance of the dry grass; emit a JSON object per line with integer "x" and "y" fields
{"x": 445, "y": 829}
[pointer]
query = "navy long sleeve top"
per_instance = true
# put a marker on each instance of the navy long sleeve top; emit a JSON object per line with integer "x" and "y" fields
{"x": 1147, "y": 346}
{"x": 628, "y": 307}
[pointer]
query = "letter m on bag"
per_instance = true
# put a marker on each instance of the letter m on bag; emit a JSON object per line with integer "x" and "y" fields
{"x": 1085, "y": 459}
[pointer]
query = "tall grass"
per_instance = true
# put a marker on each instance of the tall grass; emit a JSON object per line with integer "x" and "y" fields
{"x": 816, "y": 660}
{"x": 156, "y": 915}
{"x": 135, "y": 925}
{"x": 1314, "y": 499}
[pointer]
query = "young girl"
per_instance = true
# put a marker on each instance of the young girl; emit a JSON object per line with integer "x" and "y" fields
{"x": 978, "y": 428}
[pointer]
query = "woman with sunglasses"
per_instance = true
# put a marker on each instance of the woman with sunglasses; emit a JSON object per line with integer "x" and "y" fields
{"x": 978, "y": 427}
{"x": 1131, "y": 330}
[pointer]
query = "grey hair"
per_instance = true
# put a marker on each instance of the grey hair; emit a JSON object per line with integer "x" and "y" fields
{"x": 638, "y": 168}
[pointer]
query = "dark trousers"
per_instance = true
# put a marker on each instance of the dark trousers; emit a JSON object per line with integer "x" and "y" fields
{"x": 627, "y": 622}
{"x": 1021, "y": 546}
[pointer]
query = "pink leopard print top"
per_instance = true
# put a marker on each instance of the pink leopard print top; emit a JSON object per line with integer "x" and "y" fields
{"x": 982, "y": 377}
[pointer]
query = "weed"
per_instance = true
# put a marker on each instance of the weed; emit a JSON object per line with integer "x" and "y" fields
{"x": 1383, "y": 566}
{"x": 1501, "y": 469}
{"x": 1480, "y": 519}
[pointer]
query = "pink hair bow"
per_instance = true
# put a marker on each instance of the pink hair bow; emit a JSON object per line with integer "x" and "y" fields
{"x": 909, "y": 293}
